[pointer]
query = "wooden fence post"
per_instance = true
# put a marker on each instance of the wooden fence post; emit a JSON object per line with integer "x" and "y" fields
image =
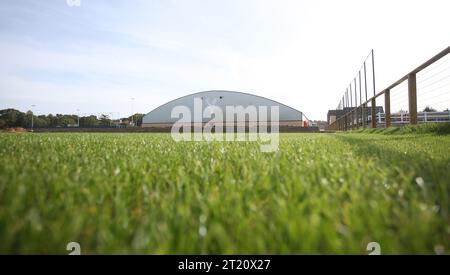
{"x": 374, "y": 113}
{"x": 364, "y": 115}
{"x": 357, "y": 118}
{"x": 353, "y": 120}
{"x": 346, "y": 122}
{"x": 412, "y": 98}
{"x": 387, "y": 108}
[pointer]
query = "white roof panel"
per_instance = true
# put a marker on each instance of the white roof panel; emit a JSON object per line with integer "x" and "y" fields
{"x": 162, "y": 114}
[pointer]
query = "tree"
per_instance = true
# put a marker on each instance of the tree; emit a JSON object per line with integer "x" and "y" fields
{"x": 136, "y": 118}
{"x": 64, "y": 120}
{"x": 41, "y": 121}
{"x": 52, "y": 120}
{"x": 88, "y": 121}
{"x": 28, "y": 118}
{"x": 12, "y": 118}
{"x": 429, "y": 109}
{"x": 104, "y": 120}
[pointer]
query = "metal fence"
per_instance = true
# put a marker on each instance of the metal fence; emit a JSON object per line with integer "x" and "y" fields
{"x": 421, "y": 96}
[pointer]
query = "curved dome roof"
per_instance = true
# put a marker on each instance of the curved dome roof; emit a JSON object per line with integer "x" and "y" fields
{"x": 162, "y": 114}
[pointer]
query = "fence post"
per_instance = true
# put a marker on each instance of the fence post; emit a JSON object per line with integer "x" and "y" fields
{"x": 387, "y": 108}
{"x": 374, "y": 113}
{"x": 353, "y": 119}
{"x": 345, "y": 122}
{"x": 349, "y": 122}
{"x": 412, "y": 98}
{"x": 357, "y": 118}
{"x": 364, "y": 115}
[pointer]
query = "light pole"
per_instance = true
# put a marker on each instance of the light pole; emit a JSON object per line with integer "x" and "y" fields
{"x": 78, "y": 116}
{"x": 132, "y": 111}
{"x": 32, "y": 117}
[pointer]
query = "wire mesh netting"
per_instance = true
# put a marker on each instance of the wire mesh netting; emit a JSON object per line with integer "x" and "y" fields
{"x": 433, "y": 92}
{"x": 422, "y": 96}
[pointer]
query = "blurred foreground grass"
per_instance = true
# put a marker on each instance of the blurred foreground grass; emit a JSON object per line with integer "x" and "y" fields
{"x": 144, "y": 193}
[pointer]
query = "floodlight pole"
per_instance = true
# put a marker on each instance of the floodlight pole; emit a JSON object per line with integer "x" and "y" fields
{"x": 78, "y": 116}
{"x": 132, "y": 111}
{"x": 32, "y": 117}
{"x": 373, "y": 73}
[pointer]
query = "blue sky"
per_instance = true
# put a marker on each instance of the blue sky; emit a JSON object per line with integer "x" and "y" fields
{"x": 97, "y": 56}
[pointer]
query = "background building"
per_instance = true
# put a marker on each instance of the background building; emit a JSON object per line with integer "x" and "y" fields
{"x": 333, "y": 115}
{"x": 161, "y": 116}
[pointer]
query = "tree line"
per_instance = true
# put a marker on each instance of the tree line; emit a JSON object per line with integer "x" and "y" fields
{"x": 10, "y": 118}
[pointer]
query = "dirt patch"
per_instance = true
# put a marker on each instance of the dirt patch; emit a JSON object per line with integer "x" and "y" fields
{"x": 15, "y": 130}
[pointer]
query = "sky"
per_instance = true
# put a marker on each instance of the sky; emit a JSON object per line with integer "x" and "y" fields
{"x": 124, "y": 56}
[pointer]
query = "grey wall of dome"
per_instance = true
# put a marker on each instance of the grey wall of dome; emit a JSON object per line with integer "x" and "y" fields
{"x": 221, "y": 99}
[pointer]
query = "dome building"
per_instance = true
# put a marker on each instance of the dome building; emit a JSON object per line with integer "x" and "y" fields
{"x": 162, "y": 116}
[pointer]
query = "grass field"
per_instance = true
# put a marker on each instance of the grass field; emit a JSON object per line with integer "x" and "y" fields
{"x": 144, "y": 193}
